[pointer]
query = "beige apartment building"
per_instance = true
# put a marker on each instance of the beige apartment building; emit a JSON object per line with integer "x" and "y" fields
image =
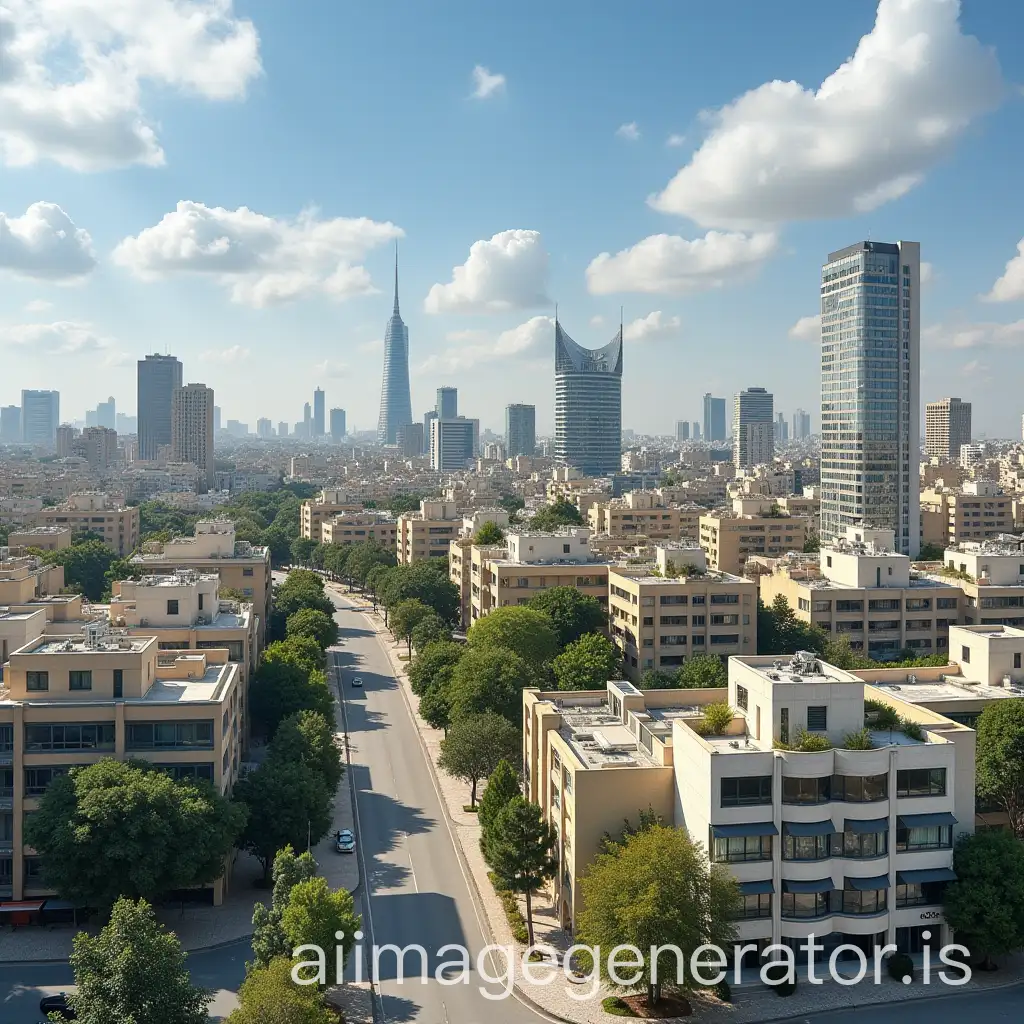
{"x": 429, "y": 532}
{"x": 864, "y": 591}
{"x": 76, "y": 700}
{"x": 658, "y": 619}
{"x": 642, "y": 513}
{"x": 359, "y": 527}
{"x": 326, "y": 505}
{"x": 991, "y": 576}
{"x": 947, "y": 426}
{"x": 192, "y": 428}
{"x": 979, "y": 511}
{"x": 43, "y": 538}
{"x": 102, "y": 514}
{"x": 752, "y": 528}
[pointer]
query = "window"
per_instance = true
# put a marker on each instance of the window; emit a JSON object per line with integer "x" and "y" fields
{"x": 80, "y": 679}
{"x": 741, "y": 697}
{"x": 745, "y": 791}
{"x": 805, "y": 847}
{"x": 1016, "y": 660}
{"x": 921, "y": 782}
{"x": 758, "y": 904}
{"x": 817, "y": 718}
{"x": 6, "y": 737}
{"x": 172, "y": 606}
{"x": 37, "y": 681}
{"x": 945, "y": 602}
{"x": 849, "y": 606}
{"x": 201, "y": 601}
{"x": 741, "y": 848}
{"x": 33, "y": 871}
{"x": 916, "y": 894}
{"x": 698, "y": 620}
{"x": 860, "y": 789}
{"x": 187, "y": 772}
{"x": 118, "y": 682}
{"x": 648, "y": 620}
{"x": 76, "y": 736}
{"x": 673, "y": 599}
{"x": 168, "y": 735}
{"x": 873, "y": 901}
{"x": 965, "y": 655}
{"x": 247, "y": 572}
{"x": 700, "y": 599}
{"x": 6, "y": 782}
{"x": 806, "y": 791}
{"x": 804, "y": 904}
{"x": 784, "y": 725}
{"x": 886, "y": 605}
{"x": 725, "y": 598}
{"x": 935, "y": 837}
{"x": 37, "y": 779}
{"x": 859, "y": 846}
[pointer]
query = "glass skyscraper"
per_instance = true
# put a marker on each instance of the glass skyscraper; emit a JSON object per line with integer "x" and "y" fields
{"x": 588, "y": 405}
{"x": 520, "y": 429}
{"x": 158, "y": 378}
{"x": 870, "y": 391}
{"x": 753, "y": 428}
{"x": 714, "y": 418}
{"x": 395, "y": 400}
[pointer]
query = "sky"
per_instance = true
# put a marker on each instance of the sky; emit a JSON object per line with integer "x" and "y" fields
{"x": 227, "y": 180}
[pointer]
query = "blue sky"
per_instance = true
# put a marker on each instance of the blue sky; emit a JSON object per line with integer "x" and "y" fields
{"x": 229, "y": 188}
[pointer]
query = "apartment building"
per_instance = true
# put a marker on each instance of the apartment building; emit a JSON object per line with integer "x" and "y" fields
{"x": 76, "y": 700}
{"x": 866, "y": 592}
{"x": 991, "y": 576}
{"x": 638, "y": 513}
{"x": 978, "y": 511}
{"x": 662, "y": 614}
{"x": 326, "y": 505}
{"x": 427, "y": 533}
{"x": 43, "y": 538}
{"x": 852, "y": 845}
{"x": 756, "y": 526}
{"x": 102, "y": 514}
{"x": 358, "y": 527}
{"x": 947, "y": 426}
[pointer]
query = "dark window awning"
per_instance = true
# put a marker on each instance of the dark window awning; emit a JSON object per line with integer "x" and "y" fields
{"x": 756, "y": 888}
{"x": 923, "y": 875}
{"x": 807, "y": 885}
{"x": 868, "y": 884}
{"x": 747, "y": 828}
{"x": 866, "y": 826}
{"x": 808, "y": 828}
{"x": 60, "y": 905}
{"x": 925, "y": 820}
{"x": 21, "y": 907}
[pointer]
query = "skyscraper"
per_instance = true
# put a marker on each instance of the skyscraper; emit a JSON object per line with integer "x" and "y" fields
{"x": 588, "y": 405}
{"x": 282, "y": 428}
{"x": 695, "y": 431}
{"x": 264, "y": 428}
{"x": 10, "y": 423}
{"x": 40, "y": 415}
{"x": 870, "y": 390}
{"x": 714, "y": 418}
{"x": 409, "y": 437}
{"x": 447, "y": 403}
{"x": 106, "y": 414}
{"x": 520, "y": 429}
{"x": 192, "y": 428}
{"x": 453, "y": 443}
{"x": 753, "y": 428}
{"x": 781, "y": 428}
{"x": 338, "y": 428}
{"x": 395, "y": 401}
{"x": 428, "y": 418}
{"x": 319, "y": 423}
{"x": 801, "y": 425}
{"x": 682, "y": 430}
{"x": 216, "y": 419}
{"x": 158, "y": 378}
{"x": 947, "y": 425}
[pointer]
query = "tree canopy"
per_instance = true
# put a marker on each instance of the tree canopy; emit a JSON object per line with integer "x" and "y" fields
{"x": 702, "y": 671}
{"x": 999, "y": 761}
{"x": 489, "y": 533}
{"x": 526, "y": 631}
{"x": 489, "y": 679}
{"x": 559, "y": 513}
{"x": 406, "y": 616}
{"x": 428, "y": 630}
{"x": 779, "y": 631}
{"x": 573, "y": 614}
{"x": 423, "y": 581}
{"x": 502, "y": 786}
{"x": 317, "y": 915}
{"x": 307, "y": 738}
{"x": 474, "y": 746}
{"x": 433, "y": 665}
{"x": 86, "y": 564}
{"x": 268, "y": 939}
{"x": 313, "y": 623}
{"x": 587, "y": 663}
{"x": 283, "y": 685}
{"x": 269, "y": 996}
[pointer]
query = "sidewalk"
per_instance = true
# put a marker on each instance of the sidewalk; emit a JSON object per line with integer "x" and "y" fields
{"x": 752, "y": 1003}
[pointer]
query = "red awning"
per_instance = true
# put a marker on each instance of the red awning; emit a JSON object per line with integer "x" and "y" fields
{"x": 22, "y": 906}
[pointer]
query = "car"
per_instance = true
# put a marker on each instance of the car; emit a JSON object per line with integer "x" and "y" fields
{"x": 357, "y": 681}
{"x": 59, "y": 1005}
{"x": 344, "y": 841}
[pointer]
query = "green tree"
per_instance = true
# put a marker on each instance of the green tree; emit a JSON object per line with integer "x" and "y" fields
{"x": 430, "y": 629}
{"x": 489, "y": 679}
{"x": 812, "y": 545}
{"x": 133, "y": 972}
{"x": 702, "y": 671}
{"x": 474, "y": 746}
{"x": 268, "y": 938}
{"x": 521, "y": 851}
{"x": 316, "y": 915}
{"x": 312, "y": 623}
{"x": 654, "y": 889}
{"x": 512, "y": 504}
{"x": 489, "y": 533}
{"x": 985, "y": 905}
{"x": 405, "y": 617}
{"x": 658, "y": 679}
{"x": 999, "y": 761}
{"x": 556, "y": 515}
{"x": 573, "y": 614}
{"x": 123, "y": 828}
{"x": 269, "y": 996}
{"x": 375, "y": 581}
{"x": 363, "y": 558}
{"x": 307, "y": 738}
{"x": 276, "y": 538}
{"x": 526, "y": 631}
{"x": 435, "y": 707}
{"x": 502, "y": 786}
{"x": 779, "y": 631}
{"x": 280, "y": 689}
{"x": 587, "y": 664}
{"x": 433, "y": 665}
{"x": 931, "y": 553}
{"x": 85, "y": 567}
{"x": 299, "y": 650}
{"x": 302, "y": 550}
{"x": 423, "y": 581}
{"x": 839, "y": 653}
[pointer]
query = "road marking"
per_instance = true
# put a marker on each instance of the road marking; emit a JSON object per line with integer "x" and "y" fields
{"x": 412, "y": 867}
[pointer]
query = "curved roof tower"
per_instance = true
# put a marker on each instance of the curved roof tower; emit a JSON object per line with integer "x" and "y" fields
{"x": 395, "y": 401}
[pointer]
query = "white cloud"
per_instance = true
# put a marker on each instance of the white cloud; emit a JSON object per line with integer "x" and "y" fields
{"x": 670, "y": 264}
{"x": 485, "y": 84}
{"x": 44, "y": 242}
{"x": 226, "y": 356}
{"x": 597, "y": 321}
{"x": 807, "y": 328}
{"x": 261, "y": 260}
{"x": 64, "y": 339}
{"x": 866, "y": 136}
{"x": 38, "y": 306}
{"x": 530, "y": 340}
{"x": 506, "y": 272}
{"x": 629, "y": 131}
{"x": 330, "y": 368}
{"x": 1010, "y": 286}
{"x": 675, "y": 141}
{"x": 652, "y": 327}
{"x": 974, "y": 335}
{"x": 73, "y": 74}
{"x": 927, "y": 273}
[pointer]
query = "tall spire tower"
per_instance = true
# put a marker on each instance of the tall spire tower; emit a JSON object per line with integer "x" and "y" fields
{"x": 395, "y": 401}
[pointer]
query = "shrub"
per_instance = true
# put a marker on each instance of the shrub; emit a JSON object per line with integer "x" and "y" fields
{"x": 780, "y": 971}
{"x": 900, "y": 966}
{"x": 514, "y": 916}
{"x": 717, "y": 718}
{"x": 810, "y": 742}
{"x": 616, "y": 1007}
{"x": 723, "y": 991}
{"x": 880, "y": 715}
{"x": 911, "y": 729}
{"x": 859, "y": 740}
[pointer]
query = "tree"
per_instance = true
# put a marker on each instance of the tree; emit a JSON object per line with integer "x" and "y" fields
{"x": 573, "y": 614}
{"x": 521, "y": 851}
{"x": 474, "y": 746}
{"x": 556, "y": 515}
{"x": 268, "y": 938}
{"x": 812, "y": 545}
{"x": 512, "y": 504}
{"x": 702, "y": 671}
{"x": 502, "y": 786}
{"x": 433, "y": 665}
{"x": 985, "y": 905}
{"x": 656, "y": 888}
{"x": 931, "y": 553}
{"x": 489, "y": 679}
{"x": 364, "y": 557}
{"x": 839, "y": 653}
{"x": 287, "y": 805}
{"x": 658, "y": 679}
{"x": 123, "y": 828}
{"x": 526, "y": 631}
{"x": 281, "y": 688}
{"x": 425, "y": 582}
{"x": 307, "y": 738}
{"x": 85, "y": 567}
{"x": 435, "y": 707}
{"x": 312, "y": 623}
{"x": 316, "y": 915}
{"x": 375, "y": 581}
{"x": 405, "y": 617}
{"x": 587, "y": 664}
{"x": 300, "y": 650}
{"x": 269, "y": 996}
{"x": 489, "y": 533}
{"x": 302, "y": 550}
{"x": 428, "y": 630}
{"x": 133, "y": 972}
{"x": 779, "y": 631}
{"x": 999, "y": 761}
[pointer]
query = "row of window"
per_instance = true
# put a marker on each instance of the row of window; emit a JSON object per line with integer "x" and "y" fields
{"x": 847, "y": 845}
{"x": 759, "y": 905}
{"x": 138, "y": 735}
{"x": 741, "y": 791}
{"x": 78, "y": 679}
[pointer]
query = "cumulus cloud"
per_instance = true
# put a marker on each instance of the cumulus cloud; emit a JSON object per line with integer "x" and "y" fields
{"x": 675, "y": 141}
{"x": 652, "y": 327}
{"x": 73, "y": 74}
{"x": 927, "y": 273}
{"x": 597, "y": 320}
{"x": 530, "y": 340}
{"x": 45, "y": 243}
{"x": 1010, "y": 286}
{"x": 506, "y": 272}
{"x": 867, "y": 135}
{"x": 629, "y": 131}
{"x": 38, "y": 306}
{"x": 486, "y": 84}
{"x": 64, "y": 339}
{"x": 807, "y": 328}
{"x": 974, "y": 335}
{"x": 225, "y": 356}
{"x": 261, "y": 260}
{"x": 670, "y": 264}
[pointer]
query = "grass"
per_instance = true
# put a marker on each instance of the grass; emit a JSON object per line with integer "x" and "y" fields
{"x": 470, "y": 808}
{"x": 616, "y": 1007}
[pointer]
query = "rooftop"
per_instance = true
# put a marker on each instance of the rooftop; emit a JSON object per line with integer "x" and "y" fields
{"x": 175, "y": 579}
{"x": 917, "y": 581}
{"x": 179, "y": 691}
{"x": 802, "y": 667}
{"x": 947, "y": 688}
{"x": 639, "y": 572}
{"x": 102, "y": 644}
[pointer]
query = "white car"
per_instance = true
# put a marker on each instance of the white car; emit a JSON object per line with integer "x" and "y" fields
{"x": 357, "y": 681}
{"x": 344, "y": 841}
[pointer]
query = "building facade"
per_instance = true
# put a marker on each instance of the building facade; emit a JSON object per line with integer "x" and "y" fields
{"x": 947, "y": 426}
{"x": 520, "y": 429}
{"x": 102, "y": 514}
{"x": 753, "y": 428}
{"x": 338, "y": 427}
{"x": 730, "y": 538}
{"x": 447, "y": 405}
{"x": 714, "y": 418}
{"x": 360, "y": 527}
{"x": 158, "y": 378}
{"x": 319, "y": 427}
{"x": 192, "y": 428}
{"x": 427, "y": 533}
{"x": 395, "y": 399}
{"x": 453, "y": 443}
{"x": 40, "y": 416}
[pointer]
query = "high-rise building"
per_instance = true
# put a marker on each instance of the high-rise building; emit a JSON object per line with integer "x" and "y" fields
{"x": 106, "y": 414}
{"x": 192, "y": 428}
{"x": 125, "y": 424}
{"x": 319, "y": 407}
{"x": 282, "y": 429}
{"x": 870, "y": 391}
{"x": 588, "y": 405}
{"x": 395, "y": 400}
{"x": 453, "y": 443}
{"x": 714, "y": 418}
{"x": 40, "y": 415}
{"x": 159, "y": 377}
{"x": 801, "y": 425}
{"x": 781, "y": 428}
{"x": 682, "y": 430}
{"x": 97, "y": 445}
{"x": 409, "y": 437}
{"x": 447, "y": 403}
{"x": 947, "y": 425}
{"x": 520, "y": 429}
{"x": 216, "y": 419}
{"x": 66, "y": 434}
{"x": 264, "y": 428}
{"x": 307, "y": 420}
{"x": 338, "y": 428}
{"x": 428, "y": 418}
{"x": 695, "y": 431}
{"x": 10, "y": 423}
{"x": 753, "y": 428}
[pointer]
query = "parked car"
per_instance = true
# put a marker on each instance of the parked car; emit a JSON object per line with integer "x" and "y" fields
{"x": 357, "y": 681}
{"x": 345, "y": 841}
{"x": 59, "y": 1005}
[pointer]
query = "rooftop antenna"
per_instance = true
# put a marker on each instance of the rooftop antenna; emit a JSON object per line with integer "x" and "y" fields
{"x": 396, "y": 278}
{"x": 556, "y": 314}
{"x": 620, "y": 323}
